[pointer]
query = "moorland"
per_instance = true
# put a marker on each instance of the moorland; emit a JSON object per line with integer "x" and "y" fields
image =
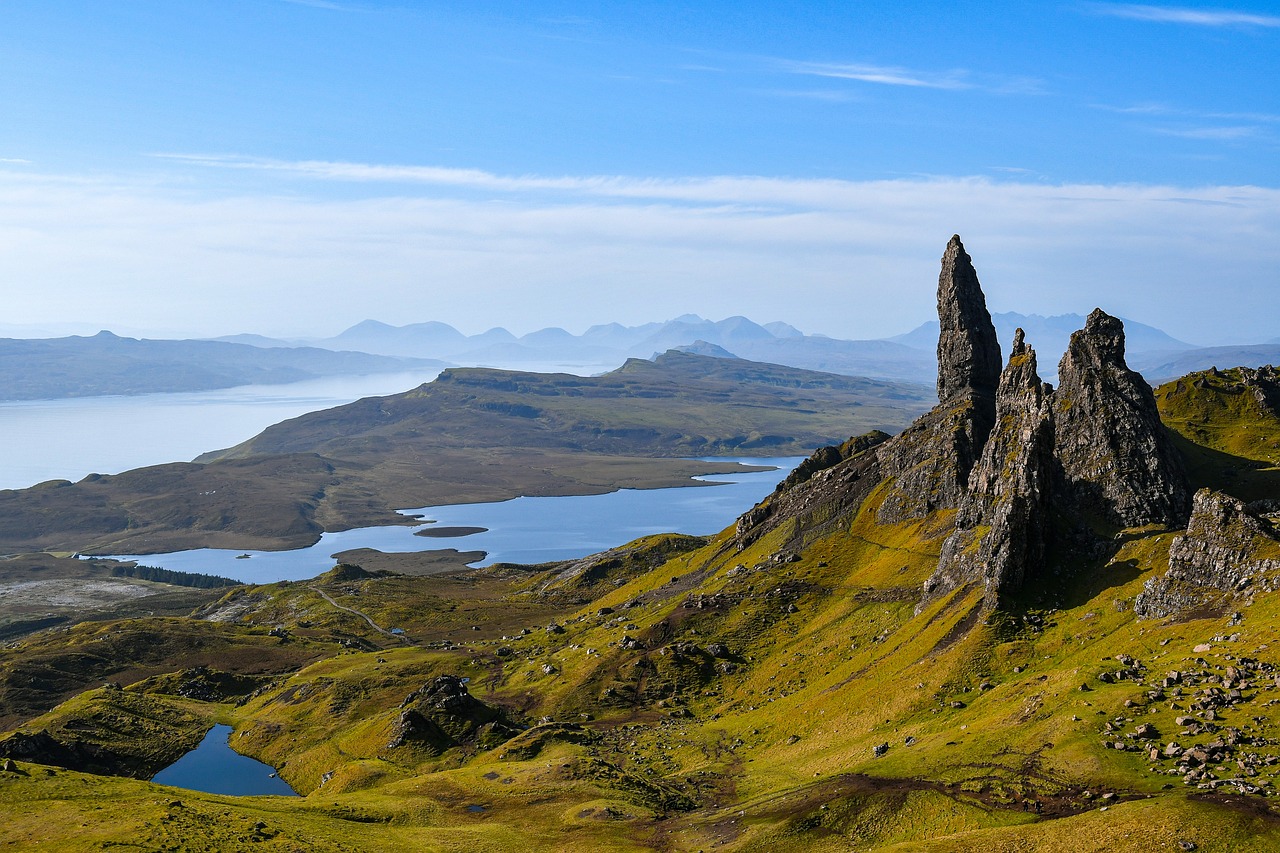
{"x": 1037, "y": 618}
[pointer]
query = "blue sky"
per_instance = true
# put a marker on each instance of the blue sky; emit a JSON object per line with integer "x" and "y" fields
{"x": 294, "y": 166}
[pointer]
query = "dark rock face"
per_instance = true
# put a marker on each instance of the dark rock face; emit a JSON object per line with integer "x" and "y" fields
{"x": 1226, "y": 551}
{"x": 443, "y": 714}
{"x": 930, "y": 461}
{"x": 968, "y": 350}
{"x": 1117, "y": 459}
{"x": 1003, "y": 521}
{"x": 1264, "y": 384}
{"x": 829, "y": 485}
{"x": 85, "y": 756}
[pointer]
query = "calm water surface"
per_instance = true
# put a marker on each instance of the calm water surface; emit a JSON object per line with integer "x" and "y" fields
{"x": 215, "y": 768}
{"x": 524, "y": 530}
{"x": 69, "y": 439}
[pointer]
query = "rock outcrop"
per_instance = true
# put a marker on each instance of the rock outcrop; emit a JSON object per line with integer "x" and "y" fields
{"x": 443, "y": 714}
{"x": 1118, "y": 462}
{"x": 828, "y": 486}
{"x": 1003, "y": 521}
{"x": 1005, "y": 454}
{"x": 929, "y": 462}
{"x": 1228, "y": 550}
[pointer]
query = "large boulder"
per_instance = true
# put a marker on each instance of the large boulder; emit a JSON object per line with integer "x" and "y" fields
{"x": 443, "y": 714}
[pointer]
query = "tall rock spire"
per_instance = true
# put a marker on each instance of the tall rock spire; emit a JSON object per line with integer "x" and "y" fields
{"x": 968, "y": 350}
{"x": 1117, "y": 459}
{"x": 930, "y": 461}
{"x": 1002, "y": 525}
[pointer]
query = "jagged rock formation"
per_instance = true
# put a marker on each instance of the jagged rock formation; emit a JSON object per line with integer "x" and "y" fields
{"x": 1264, "y": 384}
{"x": 968, "y": 349}
{"x": 930, "y": 461}
{"x": 1227, "y": 549}
{"x": 1117, "y": 459}
{"x": 1004, "y": 451}
{"x": 1002, "y": 523}
{"x": 443, "y": 714}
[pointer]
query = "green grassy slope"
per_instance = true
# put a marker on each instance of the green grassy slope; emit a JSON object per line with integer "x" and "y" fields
{"x": 472, "y": 435}
{"x": 779, "y": 695}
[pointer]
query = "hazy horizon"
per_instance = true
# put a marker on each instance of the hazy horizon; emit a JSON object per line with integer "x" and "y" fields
{"x": 291, "y": 167}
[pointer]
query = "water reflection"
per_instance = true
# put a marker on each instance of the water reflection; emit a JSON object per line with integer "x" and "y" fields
{"x": 523, "y": 530}
{"x": 215, "y": 768}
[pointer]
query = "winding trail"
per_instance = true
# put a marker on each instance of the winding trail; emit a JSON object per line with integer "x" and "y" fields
{"x": 374, "y": 625}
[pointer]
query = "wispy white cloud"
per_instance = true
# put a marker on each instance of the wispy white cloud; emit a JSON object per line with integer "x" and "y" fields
{"x": 327, "y": 4}
{"x": 846, "y": 258}
{"x": 1210, "y": 133}
{"x": 889, "y": 75}
{"x": 1139, "y": 109}
{"x": 15, "y": 160}
{"x": 1167, "y": 110}
{"x": 1183, "y": 15}
{"x": 1196, "y": 122}
{"x": 955, "y": 79}
{"x": 830, "y": 95}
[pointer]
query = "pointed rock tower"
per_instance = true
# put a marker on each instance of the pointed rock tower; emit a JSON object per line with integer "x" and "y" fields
{"x": 929, "y": 463}
{"x": 1002, "y": 525}
{"x": 968, "y": 350}
{"x": 1118, "y": 461}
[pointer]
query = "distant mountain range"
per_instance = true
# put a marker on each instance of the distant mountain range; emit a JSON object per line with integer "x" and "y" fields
{"x": 606, "y": 346}
{"x": 905, "y": 358}
{"x": 105, "y": 364}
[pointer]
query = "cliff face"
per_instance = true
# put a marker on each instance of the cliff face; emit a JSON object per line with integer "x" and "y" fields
{"x": 968, "y": 350}
{"x": 929, "y": 462}
{"x": 1023, "y": 467}
{"x": 1003, "y": 521}
{"x": 1227, "y": 551}
{"x": 1117, "y": 458}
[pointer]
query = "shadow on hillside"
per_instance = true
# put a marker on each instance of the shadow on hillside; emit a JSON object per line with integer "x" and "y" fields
{"x": 1241, "y": 477}
{"x": 1094, "y": 580}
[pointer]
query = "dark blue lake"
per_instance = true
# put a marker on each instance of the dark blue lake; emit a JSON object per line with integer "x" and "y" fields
{"x": 215, "y": 768}
{"x": 523, "y": 530}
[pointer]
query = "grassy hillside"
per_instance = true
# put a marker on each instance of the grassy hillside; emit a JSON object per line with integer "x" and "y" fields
{"x": 472, "y": 435}
{"x": 782, "y": 693}
{"x": 1229, "y": 431}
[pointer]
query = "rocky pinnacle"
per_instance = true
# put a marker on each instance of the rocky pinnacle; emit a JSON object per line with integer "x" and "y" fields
{"x": 929, "y": 462}
{"x": 1003, "y": 520}
{"x": 968, "y": 350}
{"x": 1117, "y": 459}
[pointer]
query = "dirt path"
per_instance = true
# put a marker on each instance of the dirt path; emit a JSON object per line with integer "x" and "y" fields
{"x": 374, "y": 625}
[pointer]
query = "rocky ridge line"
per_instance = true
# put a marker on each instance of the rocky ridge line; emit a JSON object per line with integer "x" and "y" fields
{"x": 1227, "y": 551}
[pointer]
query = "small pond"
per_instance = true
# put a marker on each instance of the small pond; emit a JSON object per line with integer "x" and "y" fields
{"x": 215, "y": 768}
